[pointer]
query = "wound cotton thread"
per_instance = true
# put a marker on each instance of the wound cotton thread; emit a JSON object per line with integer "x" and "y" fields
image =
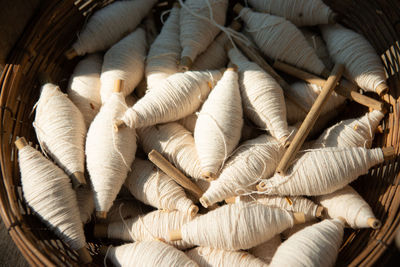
{"x": 299, "y": 12}
{"x": 205, "y": 257}
{"x": 85, "y": 200}
{"x": 124, "y": 61}
{"x": 316, "y": 245}
{"x": 125, "y": 208}
{"x": 323, "y": 171}
{"x": 61, "y": 131}
{"x": 219, "y": 124}
{"x": 298, "y": 227}
{"x": 253, "y": 160}
{"x": 84, "y": 87}
{"x": 162, "y": 59}
{"x": 262, "y": 97}
{"x": 348, "y": 204}
{"x": 266, "y": 250}
{"x": 318, "y": 44}
{"x": 155, "y": 188}
{"x": 110, "y": 24}
{"x": 178, "y": 96}
{"x": 362, "y": 63}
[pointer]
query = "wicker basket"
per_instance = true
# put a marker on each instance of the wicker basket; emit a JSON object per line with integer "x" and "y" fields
{"x": 39, "y": 52}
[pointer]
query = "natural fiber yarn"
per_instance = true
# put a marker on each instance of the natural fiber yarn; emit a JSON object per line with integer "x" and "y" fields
{"x": 84, "y": 87}
{"x": 162, "y": 59}
{"x": 253, "y": 160}
{"x": 297, "y": 227}
{"x": 219, "y": 124}
{"x": 60, "y": 129}
{"x": 362, "y": 63}
{"x": 126, "y": 208}
{"x": 175, "y": 143}
{"x": 299, "y": 12}
{"x": 348, "y": 204}
{"x": 262, "y": 96}
{"x": 197, "y": 33}
{"x": 266, "y": 250}
{"x": 280, "y": 40}
{"x": 110, "y": 24}
{"x": 47, "y": 190}
{"x": 85, "y": 200}
{"x": 318, "y": 44}
{"x": 316, "y": 245}
{"x": 155, "y": 224}
{"x": 109, "y": 153}
{"x": 124, "y": 61}
{"x": 358, "y": 132}
{"x": 155, "y": 188}
{"x": 206, "y": 257}
{"x": 236, "y": 226}
{"x": 323, "y": 171}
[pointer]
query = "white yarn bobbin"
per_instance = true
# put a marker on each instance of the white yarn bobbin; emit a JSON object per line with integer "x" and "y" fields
{"x": 109, "y": 25}
{"x": 155, "y": 188}
{"x": 316, "y": 245}
{"x": 266, "y": 250}
{"x": 348, "y": 204}
{"x": 61, "y": 130}
{"x": 84, "y": 87}
{"x": 124, "y": 61}
{"x": 262, "y": 97}
{"x": 85, "y": 200}
{"x": 219, "y": 124}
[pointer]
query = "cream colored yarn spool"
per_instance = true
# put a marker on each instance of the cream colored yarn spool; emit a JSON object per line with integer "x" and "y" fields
{"x": 206, "y": 257}
{"x": 148, "y": 254}
{"x": 61, "y": 130}
{"x": 125, "y": 208}
{"x": 124, "y": 61}
{"x": 162, "y": 59}
{"x": 175, "y": 143}
{"x": 110, "y": 24}
{"x": 316, "y": 245}
{"x": 348, "y": 204}
{"x": 262, "y": 96}
{"x": 178, "y": 96}
{"x": 362, "y": 63}
{"x": 219, "y": 124}
{"x": 253, "y": 160}
{"x": 318, "y": 44}
{"x": 280, "y": 40}
{"x": 236, "y": 226}
{"x": 85, "y": 200}
{"x": 266, "y": 250}
{"x": 156, "y": 224}
{"x": 109, "y": 153}
{"x": 155, "y": 188}
{"x": 197, "y": 33}
{"x": 299, "y": 12}
{"x": 323, "y": 171}
{"x": 358, "y": 132}
{"x": 84, "y": 87}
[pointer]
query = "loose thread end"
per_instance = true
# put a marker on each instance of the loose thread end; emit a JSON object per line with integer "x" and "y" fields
{"x": 175, "y": 235}
{"x": 70, "y": 54}
{"x": 193, "y": 210}
{"x": 237, "y": 8}
{"x": 84, "y": 255}
{"x": 185, "y": 64}
{"x": 101, "y": 214}
{"x": 374, "y": 223}
{"x": 299, "y": 217}
{"x": 388, "y": 153}
{"x": 100, "y": 230}
{"x": 204, "y": 202}
{"x": 319, "y": 213}
{"x": 21, "y": 143}
{"x": 78, "y": 180}
{"x": 382, "y": 89}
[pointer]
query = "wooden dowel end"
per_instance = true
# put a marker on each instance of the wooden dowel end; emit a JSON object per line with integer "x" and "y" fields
{"x": 231, "y": 200}
{"x": 235, "y": 25}
{"x": 204, "y": 202}
{"x": 118, "y": 86}
{"x": 193, "y": 210}
{"x": 185, "y": 64}
{"x": 388, "y": 153}
{"x": 101, "y": 214}
{"x": 374, "y": 223}
{"x": 71, "y": 53}
{"x": 209, "y": 176}
{"x": 237, "y": 8}
{"x": 299, "y": 217}
{"x": 175, "y": 235}
{"x": 119, "y": 124}
{"x": 382, "y": 89}
{"x": 78, "y": 180}
{"x": 100, "y": 230}
{"x": 319, "y": 213}
{"x": 21, "y": 143}
{"x": 232, "y": 67}
{"x": 84, "y": 255}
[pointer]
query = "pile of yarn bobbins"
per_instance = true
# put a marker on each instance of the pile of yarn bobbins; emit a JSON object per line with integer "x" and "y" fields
{"x": 212, "y": 142}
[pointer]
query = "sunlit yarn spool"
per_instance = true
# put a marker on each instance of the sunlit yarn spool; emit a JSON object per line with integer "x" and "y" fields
{"x": 162, "y": 59}
{"x": 206, "y": 257}
{"x": 348, "y": 204}
{"x": 280, "y": 40}
{"x": 300, "y": 12}
{"x": 266, "y": 250}
{"x": 125, "y": 208}
{"x": 316, "y": 245}
{"x": 253, "y": 160}
{"x": 318, "y": 44}
{"x": 109, "y": 25}
{"x": 85, "y": 200}
{"x": 323, "y": 171}
{"x": 109, "y": 153}
{"x": 262, "y": 97}
{"x": 84, "y": 87}
{"x": 358, "y": 132}
{"x": 155, "y": 188}
{"x": 47, "y": 190}
{"x": 235, "y": 226}
{"x": 362, "y": 63}
{"x": 124, "y": 61}
{"x": 197, "y": 33}
{"x": 61, "y": 130}
{"x": 219, "y": 124}
{"x": 147, "y": 254}
{"x": 177, "y": 96}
